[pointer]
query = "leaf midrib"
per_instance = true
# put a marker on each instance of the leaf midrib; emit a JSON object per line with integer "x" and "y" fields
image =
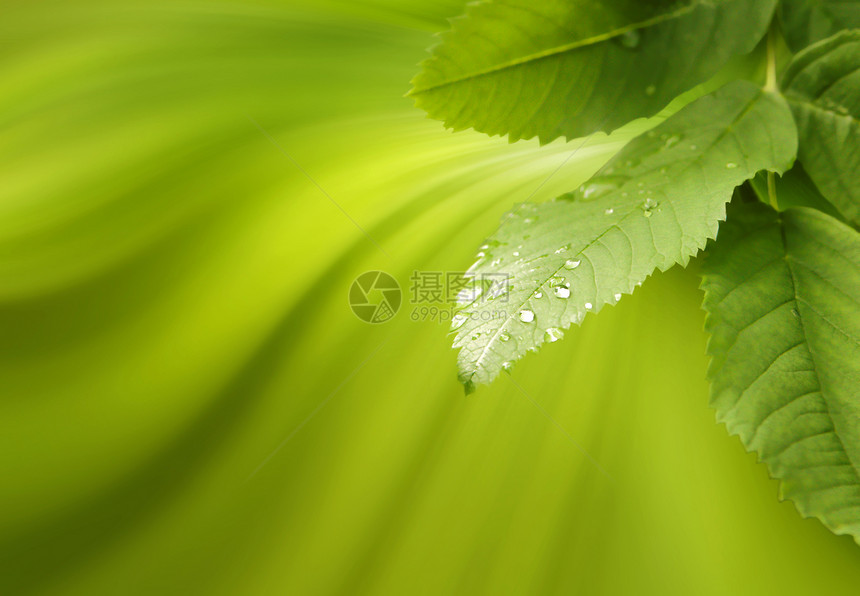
{"x": 634, "y": 207}
{"x": 558, "y": 50}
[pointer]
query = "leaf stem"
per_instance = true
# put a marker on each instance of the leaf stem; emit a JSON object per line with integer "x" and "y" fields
{"x": 771, "y": 190}
{"x": 771, "y": 85}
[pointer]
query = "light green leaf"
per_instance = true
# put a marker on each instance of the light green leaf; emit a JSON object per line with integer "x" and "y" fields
{"x": 572, "y": 67}
{"x": 806, "y": 21}
{"x": 782, "y": 292}
{"x": 653, "y": 205}
{"x": 822, "y": 85}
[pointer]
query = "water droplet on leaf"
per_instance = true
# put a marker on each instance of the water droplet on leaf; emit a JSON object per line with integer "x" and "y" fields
{"x": 649, "y": 206}
{"x": 553, "y": 334}
{"x": 599, "y": 187}
{"x": 527, "y": 316}
{"x": 630, "y": 39}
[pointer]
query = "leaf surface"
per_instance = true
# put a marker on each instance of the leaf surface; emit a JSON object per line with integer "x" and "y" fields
{"x": 822, "y": 85}
{"x": 572, "y": 67}
{"x": 805, "y": 22}
{"x": 653, "y": 205}
{"x": 782, "y": 293}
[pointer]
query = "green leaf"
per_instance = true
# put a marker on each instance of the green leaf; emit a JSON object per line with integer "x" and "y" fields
{"x": 807, "y": 21}
{"x": 653, "y": 205}
{"x": 572, "y": 67}
{"x": 794, "y": 189}
{"x": 781, "y": 292}
{"x": 822, "y": 85}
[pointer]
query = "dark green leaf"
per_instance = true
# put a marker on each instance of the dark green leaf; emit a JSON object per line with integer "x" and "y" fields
{"x": 572, "y": 67}
{"x": 822, "y": 85}
{"x": 806, "y": 21}
{"x": 794, "y": 189}
{"x": 653, "y": 205}
{"x": 782, "y": 292}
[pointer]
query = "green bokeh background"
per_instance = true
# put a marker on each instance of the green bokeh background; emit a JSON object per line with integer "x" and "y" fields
{"x": 187, "y": 404}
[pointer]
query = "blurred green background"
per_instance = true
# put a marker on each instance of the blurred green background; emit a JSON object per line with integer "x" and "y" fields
{"x": 187, "y": 404}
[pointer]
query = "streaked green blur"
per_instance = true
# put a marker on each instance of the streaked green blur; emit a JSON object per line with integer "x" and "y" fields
{"x": 188, "y": 405}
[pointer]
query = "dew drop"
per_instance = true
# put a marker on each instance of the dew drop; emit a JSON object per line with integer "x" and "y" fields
{"x": 609, "y": 211}
{"x": 507, "y": 365}
{"x": 556, "y": 281}
{"x": 649, "y": 206}
{"x": 504, "y": 337}
{"x": 553, "y": 334}
{"x": 672, "y": 140}
{"x": 731, "y": 165}
{"x": 564, "y": 248}
{"x": 630, "y": 39}
{"x": 650, "y": 90}
{"x": 527, "y": 316}
{"x": 562, "y": 292}
{"x": 598, "y": 187}
{"x": 572, "y": 263}
{"x": 588, "y": 306}
{"x": 457, "y": 321}
{"x": 516, "y": 253}
{"x": 693, "y": 147}
{"x": 617, "y": 297}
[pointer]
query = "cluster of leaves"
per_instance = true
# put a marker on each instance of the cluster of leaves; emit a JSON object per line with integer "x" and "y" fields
{"x": 782, "y": 281}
